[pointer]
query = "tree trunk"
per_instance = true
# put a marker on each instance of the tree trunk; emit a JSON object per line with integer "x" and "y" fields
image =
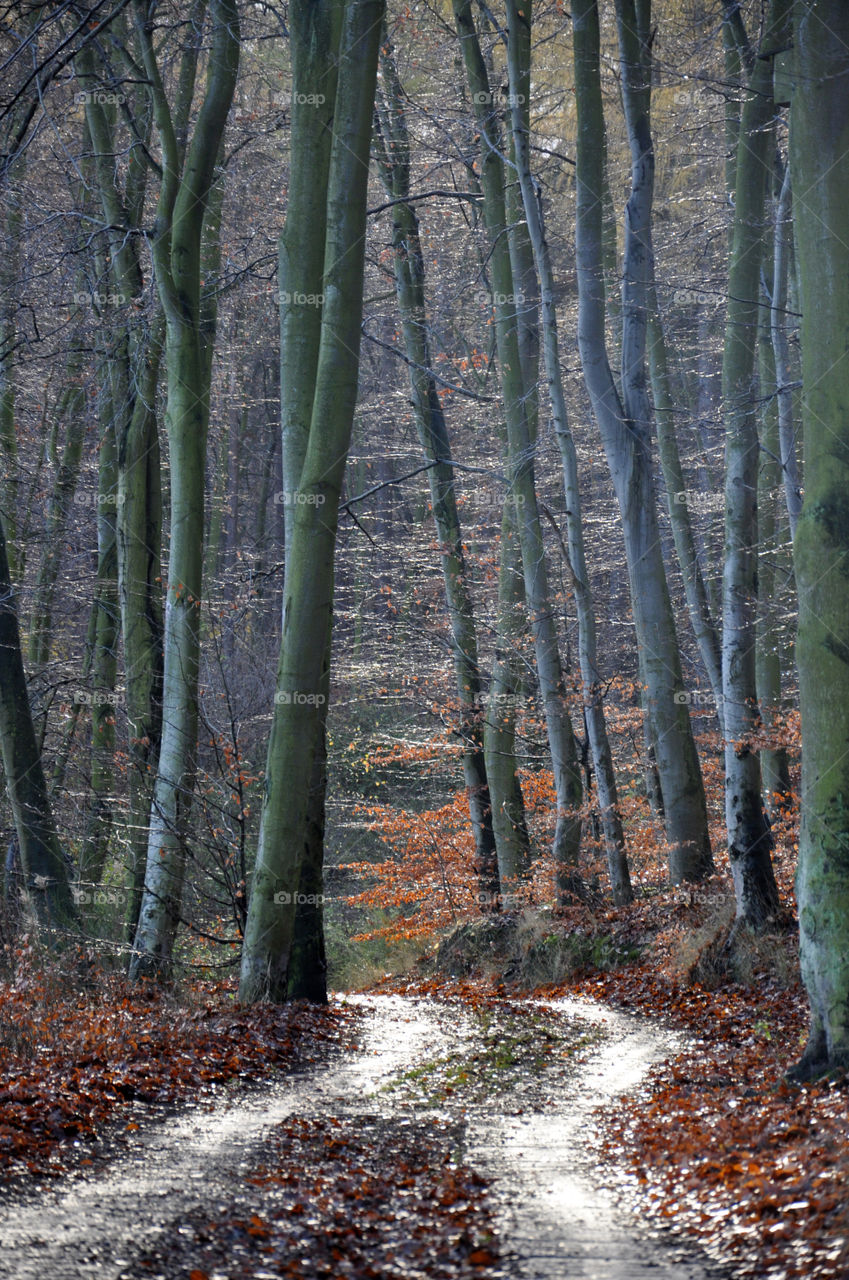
{"x": 432, "y": 431}
{"x": 134, "y": 375}
{"x": 177, "y": 264}
{"x": 499, "y": 729}
{"x": 772, "y": 541}
{"x": 43, "y": 867}
{"x": 561, "y": 738}
{"x": 625, "y": 435}
{"x": 698, "y": 602}
{"x": 310, "y": 546}
{"x": 748, "y": 832}
{"x": 104, "y": 662}
{"x": 620, "y": 882}
{"x": 820, "y": 163}
{"x": 782, "y": 251}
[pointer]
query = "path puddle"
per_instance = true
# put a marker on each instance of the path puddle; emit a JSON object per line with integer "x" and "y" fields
{"x": 553, "y": 1218}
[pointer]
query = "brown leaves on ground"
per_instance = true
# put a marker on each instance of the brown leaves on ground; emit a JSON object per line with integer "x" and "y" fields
{"x": 718, "y": 1146}
{"x": 365, "y": 1196}
{"x": 79, "y": 1056}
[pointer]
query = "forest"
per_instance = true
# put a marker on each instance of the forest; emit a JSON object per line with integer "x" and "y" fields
{"x": 424, "y": 636}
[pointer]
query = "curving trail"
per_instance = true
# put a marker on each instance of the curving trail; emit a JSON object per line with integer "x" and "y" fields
{"x": 554, "y": 1219}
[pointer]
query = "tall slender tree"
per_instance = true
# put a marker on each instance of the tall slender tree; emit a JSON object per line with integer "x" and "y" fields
{"x": 624, "y": 425}
{"x": 177, "y": 256}
{"x": 302, "y": 677}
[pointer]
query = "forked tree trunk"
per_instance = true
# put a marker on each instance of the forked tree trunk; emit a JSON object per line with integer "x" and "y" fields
{"x": 748, "y": 831}
{"x": 177, "y": 264}
{"x": 624, "y": 431}
{"x": 308, "y": 589}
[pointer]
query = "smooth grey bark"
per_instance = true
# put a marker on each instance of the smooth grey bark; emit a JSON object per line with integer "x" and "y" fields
{"x": 134, "y": 366}
{"x": 393, "y": 150}
{"x": 309, "y": 576}
{"x": 748, "y": 832}
{"x": 625, "y": 433}
{"x": 505, "y": 694}
{"x": 678, "y": 505}
{"x": 521, "y": 449}
{"x": 518, "y": 34}
{"x": 772, "y": 541}
{"x": 104, "y": 655}
{"x": 819, "y": 140}
{"x": 782, "y": 252}
{"x": 177, "y": 255}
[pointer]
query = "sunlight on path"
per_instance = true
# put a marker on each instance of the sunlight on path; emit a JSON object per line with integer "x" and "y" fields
{"x": 553, "y": 1218}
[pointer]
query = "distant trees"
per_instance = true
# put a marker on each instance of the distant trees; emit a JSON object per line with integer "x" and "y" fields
{"x": 476, "y": 475}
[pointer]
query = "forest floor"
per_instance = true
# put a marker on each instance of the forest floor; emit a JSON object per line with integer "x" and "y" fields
{"x": 457, "y": 1140}
{"x": 437, "y": 1127}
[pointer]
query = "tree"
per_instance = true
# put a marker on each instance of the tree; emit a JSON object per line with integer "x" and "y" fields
{"x": 520, "y": 463}
{"x": 176, "y": 247}
{"x": 748, "y": 831}
{"x": 45, "y": 873}
{"x": 309, "y": 577}
{"x": 393, "y": 150}
{"x": 819, "y": 142}
{"x": 624, "y": 423}
{"x": 518, "y": 34}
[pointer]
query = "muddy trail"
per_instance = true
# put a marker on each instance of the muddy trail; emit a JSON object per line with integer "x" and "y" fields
{"x": 503, "y": 1105}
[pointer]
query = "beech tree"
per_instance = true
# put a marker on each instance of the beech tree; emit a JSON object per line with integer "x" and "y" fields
{"x": 393, "y": 149}
{"x": 520, "y": 456}
{"x": 820, "y": 163}
{"x": 176, "y": 248}
{"x": 519, "y": 44}
{"x": 748, "y": 830}
{"x": 332, "y": 350}
{"x": 624, "y": 422}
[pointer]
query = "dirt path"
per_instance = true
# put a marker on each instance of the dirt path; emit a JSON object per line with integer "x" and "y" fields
{"x": 533, "y": 1140}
